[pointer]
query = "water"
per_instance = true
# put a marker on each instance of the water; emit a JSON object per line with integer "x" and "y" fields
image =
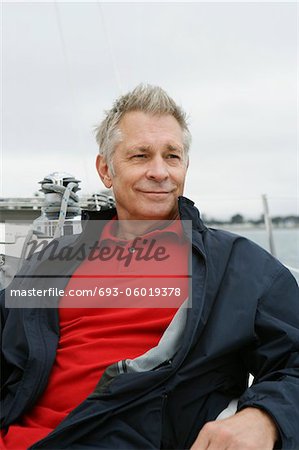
{"x": 286, "y": 241}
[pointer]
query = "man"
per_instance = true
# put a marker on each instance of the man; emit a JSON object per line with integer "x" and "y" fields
{"x": 180, "y": 369}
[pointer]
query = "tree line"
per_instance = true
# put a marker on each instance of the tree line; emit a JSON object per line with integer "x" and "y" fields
{"x": 239, "y": 219}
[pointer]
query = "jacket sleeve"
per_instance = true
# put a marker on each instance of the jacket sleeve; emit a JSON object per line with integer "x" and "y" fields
{"x": 4, "y": 365}
{"x": 274, "y": 359}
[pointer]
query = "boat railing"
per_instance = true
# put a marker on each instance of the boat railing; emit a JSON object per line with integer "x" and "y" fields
{"x": 269, "y": 231}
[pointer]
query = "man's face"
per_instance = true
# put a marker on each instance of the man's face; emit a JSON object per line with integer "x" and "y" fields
{"x": 149, "y": 167}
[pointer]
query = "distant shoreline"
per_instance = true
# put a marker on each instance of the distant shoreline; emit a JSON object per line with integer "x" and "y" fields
{"x": 247, "y": 226}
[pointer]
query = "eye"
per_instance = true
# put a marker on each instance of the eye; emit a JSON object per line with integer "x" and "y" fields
{"x": 173, "y": 156}
{"x": 139, "y": 156}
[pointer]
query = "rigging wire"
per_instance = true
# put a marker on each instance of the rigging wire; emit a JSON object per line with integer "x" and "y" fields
{"x": 69, "y": 78}
{"x": 110, "y": 49}
{"x": 65, "y": 56}
{"x": 69, "y": 81}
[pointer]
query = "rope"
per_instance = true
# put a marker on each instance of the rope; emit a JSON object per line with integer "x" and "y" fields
{"x": 63, "y": 208}
{"x": 51, "y": 187}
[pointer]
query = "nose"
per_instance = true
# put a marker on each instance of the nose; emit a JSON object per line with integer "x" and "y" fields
{"x": 157, "y": 169}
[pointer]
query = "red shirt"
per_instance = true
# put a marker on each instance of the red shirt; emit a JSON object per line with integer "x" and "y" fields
{"x": 102, "y": 333}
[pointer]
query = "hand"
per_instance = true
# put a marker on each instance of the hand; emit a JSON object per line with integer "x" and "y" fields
{"x": 249, "y": 429}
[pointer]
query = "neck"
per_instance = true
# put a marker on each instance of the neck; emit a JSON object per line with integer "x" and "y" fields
{"x": 130, "y": 229}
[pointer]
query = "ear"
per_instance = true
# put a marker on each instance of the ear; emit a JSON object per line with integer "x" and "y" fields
{"x": 103, "y": 171}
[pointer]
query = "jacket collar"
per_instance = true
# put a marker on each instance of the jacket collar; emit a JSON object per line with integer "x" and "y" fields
{"x": 187, "y": 211}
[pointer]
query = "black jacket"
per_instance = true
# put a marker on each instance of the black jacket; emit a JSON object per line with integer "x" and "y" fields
{"x": 244, "y": 319}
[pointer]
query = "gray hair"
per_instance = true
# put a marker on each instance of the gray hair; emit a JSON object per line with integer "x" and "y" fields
{"x": 146, "y": 98}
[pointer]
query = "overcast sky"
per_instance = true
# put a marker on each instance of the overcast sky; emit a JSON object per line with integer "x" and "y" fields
{"x": 232, "y": 66}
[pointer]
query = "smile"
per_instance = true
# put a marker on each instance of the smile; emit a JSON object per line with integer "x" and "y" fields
{"x": 155, "y": 193}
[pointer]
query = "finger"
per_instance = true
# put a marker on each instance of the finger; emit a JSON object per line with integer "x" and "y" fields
{"x": 216, "y": 445}
{"x": 202, "y": 441}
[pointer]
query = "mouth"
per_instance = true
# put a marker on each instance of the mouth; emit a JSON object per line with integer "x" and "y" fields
{"x": 155, "y": 194}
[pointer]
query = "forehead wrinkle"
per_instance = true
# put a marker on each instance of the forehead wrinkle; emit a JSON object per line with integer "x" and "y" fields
{"x": 141, "y": 148}
{"x": 147, "y": 148}
{"x": 174, "y": 148}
